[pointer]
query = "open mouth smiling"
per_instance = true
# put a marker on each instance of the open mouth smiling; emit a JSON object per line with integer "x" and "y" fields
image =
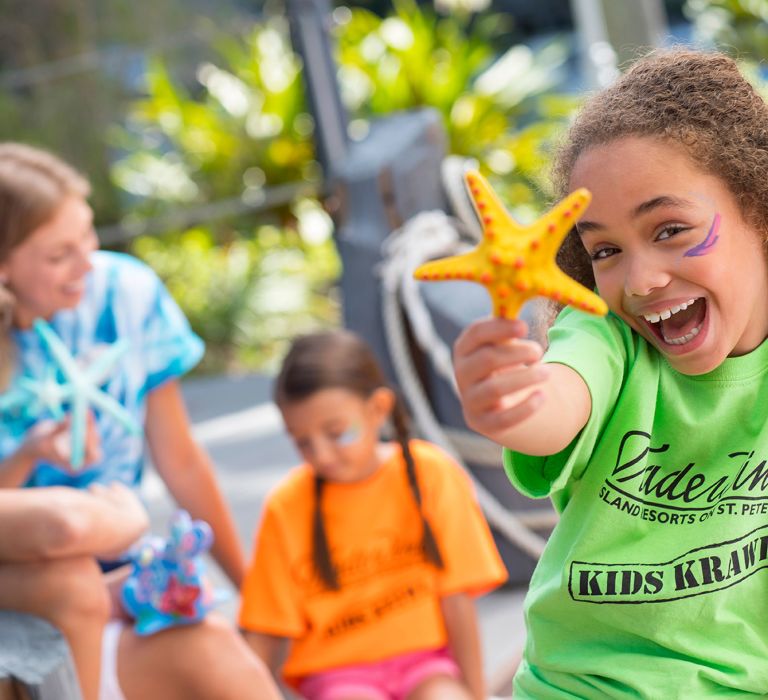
{"x": 680, "y": 324}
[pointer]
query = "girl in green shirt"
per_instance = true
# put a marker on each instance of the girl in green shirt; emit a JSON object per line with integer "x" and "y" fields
{"x": 647, "y": 428}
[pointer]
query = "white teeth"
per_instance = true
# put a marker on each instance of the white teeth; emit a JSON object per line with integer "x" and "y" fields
{"x": 687, "y": 338}
{"x": 667, "y": 313}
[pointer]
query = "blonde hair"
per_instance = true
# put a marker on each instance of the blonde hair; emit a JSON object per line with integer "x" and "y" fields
{"x": 33, "y": 184}
{"x": 698, "y": 101}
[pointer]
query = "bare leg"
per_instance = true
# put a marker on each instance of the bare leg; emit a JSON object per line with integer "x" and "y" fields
{"x": 440, "y": 688}
{"x": 70, "y": 594}
{"x": 205, "y": 661}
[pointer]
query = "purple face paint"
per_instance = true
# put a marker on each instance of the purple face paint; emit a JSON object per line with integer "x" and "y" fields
{"x": 708, "y": 243}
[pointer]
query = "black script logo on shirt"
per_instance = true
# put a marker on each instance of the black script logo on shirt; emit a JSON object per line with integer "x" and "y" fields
{"x": 645, "y": 482}
{"x": 369, "y": 612}
{"x": 381, "y": 556}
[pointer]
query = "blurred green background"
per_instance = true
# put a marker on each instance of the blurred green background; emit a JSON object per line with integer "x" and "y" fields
{"x": 190, "y": 119}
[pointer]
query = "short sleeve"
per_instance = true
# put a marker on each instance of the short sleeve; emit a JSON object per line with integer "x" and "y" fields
{"x": 471, "y": 561}
{"x": 599, "y": 350}
{"x": 269, "y": 597}
{"x": 169, "y": 345}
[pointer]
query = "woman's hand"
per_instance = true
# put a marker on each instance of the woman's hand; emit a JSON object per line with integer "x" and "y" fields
{"x": 498, "y": 371}
{"x": 48, "y": 441}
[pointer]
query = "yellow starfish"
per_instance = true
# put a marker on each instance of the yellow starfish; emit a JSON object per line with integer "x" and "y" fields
{"x": 516, "y": 263}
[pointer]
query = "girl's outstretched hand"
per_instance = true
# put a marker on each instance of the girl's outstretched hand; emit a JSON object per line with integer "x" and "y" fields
{"x": 498, "y": 371}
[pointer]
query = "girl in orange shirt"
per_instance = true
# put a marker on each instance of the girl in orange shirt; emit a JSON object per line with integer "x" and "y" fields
{"x": 368, "y": 556}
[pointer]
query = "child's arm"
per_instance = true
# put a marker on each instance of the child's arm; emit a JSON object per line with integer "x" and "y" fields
{"x": 510, "y": 396}
{"x": 272, "y": 650}
{"x": 188, "y": 473}
{"x": 464, "y": 640}
{"x": 46, "y": 523}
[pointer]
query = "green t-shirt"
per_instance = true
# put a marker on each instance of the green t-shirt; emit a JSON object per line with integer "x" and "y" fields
{"x": 654, "y": 583}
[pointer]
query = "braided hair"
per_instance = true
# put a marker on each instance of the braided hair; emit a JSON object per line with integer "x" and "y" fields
{"x": 340, "y": 359}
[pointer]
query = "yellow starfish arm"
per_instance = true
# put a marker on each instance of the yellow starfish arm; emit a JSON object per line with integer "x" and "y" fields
{"x": 516, "y": 263}
{"x": 469, "y": 266}
{"x": 487, "y": 205}
{"x": 557, "y": 223}
{"x": 561, "y": 288}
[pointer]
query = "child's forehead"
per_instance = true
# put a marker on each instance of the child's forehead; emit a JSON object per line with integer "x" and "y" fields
{"x": 323, "y": 405}
{"x": 647, "y": 151}
{"x": 628, "y": 172}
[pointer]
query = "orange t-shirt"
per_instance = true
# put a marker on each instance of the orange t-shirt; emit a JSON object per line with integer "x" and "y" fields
{"x": 389, "y": 602}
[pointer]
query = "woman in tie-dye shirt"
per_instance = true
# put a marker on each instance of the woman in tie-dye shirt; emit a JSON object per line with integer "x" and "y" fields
{"x": 50, "y": 269}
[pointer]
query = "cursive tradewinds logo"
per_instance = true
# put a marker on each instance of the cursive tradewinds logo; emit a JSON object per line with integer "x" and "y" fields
{"x": 644, "y": 484}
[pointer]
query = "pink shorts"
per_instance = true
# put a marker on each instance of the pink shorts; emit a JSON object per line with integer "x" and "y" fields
{"x": 391, "y": 679}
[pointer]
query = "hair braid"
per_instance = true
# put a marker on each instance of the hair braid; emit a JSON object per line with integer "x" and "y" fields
{"x": 321, "y": 552}
{"x": 429, "y": 542}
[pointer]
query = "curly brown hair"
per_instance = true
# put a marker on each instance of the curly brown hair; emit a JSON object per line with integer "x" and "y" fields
{"x": 699, "y": 101}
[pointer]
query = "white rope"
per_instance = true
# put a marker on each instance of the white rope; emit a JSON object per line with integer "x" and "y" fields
{"x": 426, "y": 236}
{"x": 452, "y": 173}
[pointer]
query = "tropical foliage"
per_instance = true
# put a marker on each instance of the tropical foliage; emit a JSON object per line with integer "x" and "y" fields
{"x": 739, "y": 26}
{"x": 241, "y": 128}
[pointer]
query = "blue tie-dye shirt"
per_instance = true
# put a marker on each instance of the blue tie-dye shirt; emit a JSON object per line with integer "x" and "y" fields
{"x": 123, "y": 299}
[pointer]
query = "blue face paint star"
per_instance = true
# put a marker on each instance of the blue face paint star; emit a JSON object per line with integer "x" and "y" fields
{"x": 81, "y": 388}
{"x": 350, "y": 436}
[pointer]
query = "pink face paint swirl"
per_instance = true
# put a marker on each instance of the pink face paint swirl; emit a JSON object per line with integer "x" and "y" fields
{"x": 708, "y": 243}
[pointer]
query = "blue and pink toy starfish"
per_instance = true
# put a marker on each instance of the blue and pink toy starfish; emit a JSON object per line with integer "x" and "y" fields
{"x": 168, "y": 586}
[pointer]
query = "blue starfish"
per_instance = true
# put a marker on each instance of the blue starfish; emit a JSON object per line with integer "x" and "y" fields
{"x": 36, "y": 396}
{"x": 81, "y": 387}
